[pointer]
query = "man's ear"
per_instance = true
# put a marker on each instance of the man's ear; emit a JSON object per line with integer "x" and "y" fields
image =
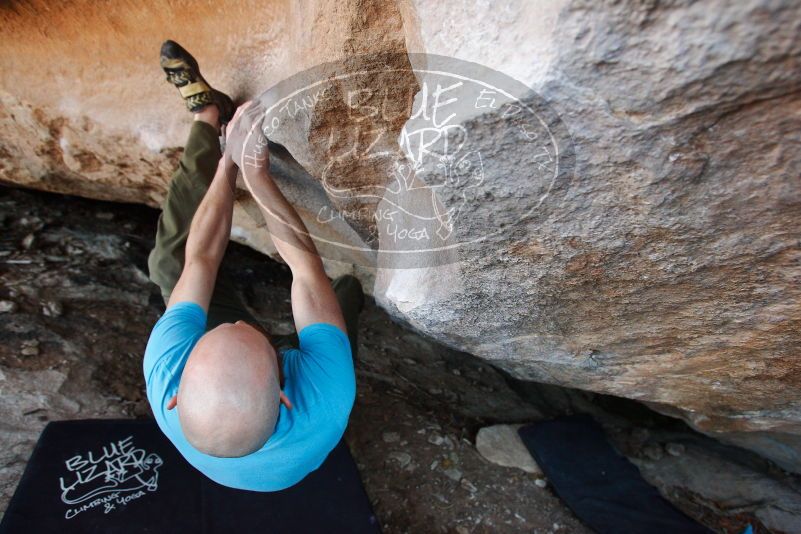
{"x": 173, "y": 402}
{"x": 285, "y": 400}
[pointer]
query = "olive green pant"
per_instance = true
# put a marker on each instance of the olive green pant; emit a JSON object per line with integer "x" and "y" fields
{"x": 166, "y": 262}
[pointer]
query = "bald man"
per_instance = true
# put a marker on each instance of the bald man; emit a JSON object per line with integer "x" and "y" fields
{"x": 248, "y": 410}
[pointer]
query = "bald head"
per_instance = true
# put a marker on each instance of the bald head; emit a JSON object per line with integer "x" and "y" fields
{"x": 228, "y": 398}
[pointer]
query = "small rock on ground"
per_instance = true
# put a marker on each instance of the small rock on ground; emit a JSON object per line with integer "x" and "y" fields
{"x": 500, "y": 444}
{"x": 390, "y": 437}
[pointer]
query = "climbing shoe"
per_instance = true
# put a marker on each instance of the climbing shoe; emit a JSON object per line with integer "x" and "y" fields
{"x": 183, "y": 72}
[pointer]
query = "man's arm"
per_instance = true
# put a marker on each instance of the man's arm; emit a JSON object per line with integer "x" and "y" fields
{"x": 313, "y": 298}
{"x": 207, "y": 240}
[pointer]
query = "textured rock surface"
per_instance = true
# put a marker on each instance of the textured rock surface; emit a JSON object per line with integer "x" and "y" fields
{"x": 724, "y": 485}
{"x": 667, "y": 268}
{"x": 664, "y": 268}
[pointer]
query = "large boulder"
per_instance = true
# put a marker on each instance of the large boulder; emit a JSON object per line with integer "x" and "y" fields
{"x": 659, "y": 260}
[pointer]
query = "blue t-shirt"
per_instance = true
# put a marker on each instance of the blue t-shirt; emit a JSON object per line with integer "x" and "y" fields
{"x": 318, "y": 379}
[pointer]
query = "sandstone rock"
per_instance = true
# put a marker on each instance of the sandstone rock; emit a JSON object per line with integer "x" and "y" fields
{"x": 52, "y": 308}
{"x": 675, "y": 449}
{"x": 453, "y": 474}
{"x": 653, "y": 451}
{"x": 390, "y": 437}
{"x": 731, "y": 485}
{"x": 29, "y": 351}
{"x": 469, "y": 486}
{"x": 436, "y": 439}
{"x": 660, "y": 263}
{"x": 661, "y": 270}
{"x": 27, "y": 241}
{"x": 500, "y": 444}
{"x": 403, "y": 458}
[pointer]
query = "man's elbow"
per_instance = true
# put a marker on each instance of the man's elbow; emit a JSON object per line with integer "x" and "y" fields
{"x": 201, "y": 261}
{"x": 309, "y": 268}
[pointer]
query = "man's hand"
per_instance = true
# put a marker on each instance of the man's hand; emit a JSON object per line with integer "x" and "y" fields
{"x": 245, "y": 144}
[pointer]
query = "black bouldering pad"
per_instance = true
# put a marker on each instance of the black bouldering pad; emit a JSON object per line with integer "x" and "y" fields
{"x": 124, "y": 476}
{"x": 602, "y": 487}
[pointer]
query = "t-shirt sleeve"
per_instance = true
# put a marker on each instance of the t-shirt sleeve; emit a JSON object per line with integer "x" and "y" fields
{"x": 327, "y": 363}
{"x": 172, "y": 339}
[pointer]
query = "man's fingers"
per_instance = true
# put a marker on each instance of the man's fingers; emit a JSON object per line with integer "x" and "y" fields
{"x": 245, "y": 126}
{"x": 242, "y": 118}
{"x": 242, "y": 108}
{"x": 239, "y": 111}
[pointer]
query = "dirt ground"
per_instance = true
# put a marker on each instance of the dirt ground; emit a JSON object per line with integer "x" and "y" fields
{"x": 76, "y": 309}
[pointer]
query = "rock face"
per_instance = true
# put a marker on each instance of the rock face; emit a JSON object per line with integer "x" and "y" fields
{"x": 660, "y": 261}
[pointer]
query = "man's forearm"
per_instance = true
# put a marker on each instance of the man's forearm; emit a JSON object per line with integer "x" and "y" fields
{"x": 211, "y": 224}
{"x": 290, "y": 236}
{"x": 313, "y": 298}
